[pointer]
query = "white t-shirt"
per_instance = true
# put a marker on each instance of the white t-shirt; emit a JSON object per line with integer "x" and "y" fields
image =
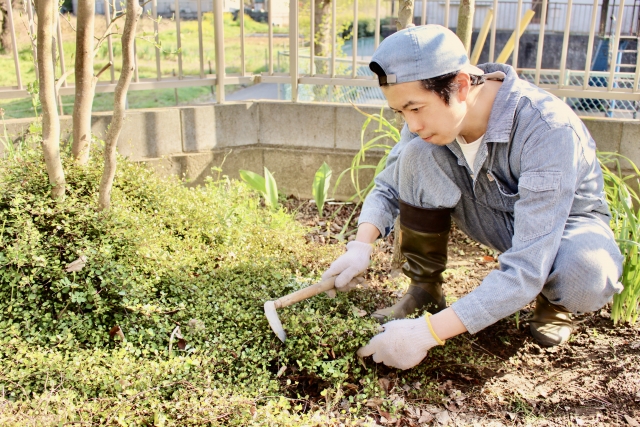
{"x": 469, "y": 149}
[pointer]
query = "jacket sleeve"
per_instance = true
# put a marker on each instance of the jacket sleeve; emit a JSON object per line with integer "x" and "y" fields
{"x": 381, "y": 207}
{"x": 546, "y": 187}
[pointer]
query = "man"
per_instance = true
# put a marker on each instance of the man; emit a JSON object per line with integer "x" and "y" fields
{"x": 516, "y": 170}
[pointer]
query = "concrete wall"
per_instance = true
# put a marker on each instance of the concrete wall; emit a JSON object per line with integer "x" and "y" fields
{"x": 292, "y": 140}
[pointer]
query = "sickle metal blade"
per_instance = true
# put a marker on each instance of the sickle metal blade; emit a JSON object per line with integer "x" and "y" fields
{"x": 274, "y": 320}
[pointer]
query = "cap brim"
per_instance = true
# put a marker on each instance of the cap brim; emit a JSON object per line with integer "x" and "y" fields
{"x": 472, "y": 69}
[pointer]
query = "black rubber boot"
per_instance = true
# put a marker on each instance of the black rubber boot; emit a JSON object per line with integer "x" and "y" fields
{"x": 424, "y": 239}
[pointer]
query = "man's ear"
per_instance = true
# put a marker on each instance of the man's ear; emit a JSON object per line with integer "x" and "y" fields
{"x": 463, "y": 82}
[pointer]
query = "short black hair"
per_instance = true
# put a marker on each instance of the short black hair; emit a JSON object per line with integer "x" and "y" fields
{"x": 445, "y": 85}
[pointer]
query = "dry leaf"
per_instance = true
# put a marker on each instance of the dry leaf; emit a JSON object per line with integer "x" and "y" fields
{"x": 631, "y": 421}
{"x": 384, "y": 414}
{"x": 425, "y": 418}
{"x": 443, "y": 417}
{"x": 116, "y": 331}
{"x": 385, "y": 384}
{"x": 76, "y": 265}
{"x": 488, "y": 258}
{"x": 281, "y": 371}
{"x": 358, "y": 312}
{"x": 182, "y": 344}
{"x": 374, "y": 402}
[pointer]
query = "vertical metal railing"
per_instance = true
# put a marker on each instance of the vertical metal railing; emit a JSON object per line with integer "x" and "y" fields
{"x": 14, "y": 45}
{"x": 107, "y": 16}
{"x": 178, "y": 38}
{"x": 494, "y": 29}
{"x": 565, "y": 42}
{"x": 32, "y": 33}
{"x": 218, "y": 30}
{"x": 354, "y": 41}
{"x": 565, "y": 80}
{"x": 201, "y": 45}
{"x": 270, "y": 33}
{"x": 312, "y": 38}
{"x": 516, "y": 46}
{"x": 243, "y": 70}
{"x": 587, "y": 66}
{"x": 376, "y": 34}
{"x": 154, "y": 12}
{"x": 293, "y": 48}
{"x": 447, "y": 7}
{"x": 543, "y": 23}
{"x": 614, "y": 48}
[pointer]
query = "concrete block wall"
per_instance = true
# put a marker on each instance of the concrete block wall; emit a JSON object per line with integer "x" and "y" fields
{"x": 291, "y": 140}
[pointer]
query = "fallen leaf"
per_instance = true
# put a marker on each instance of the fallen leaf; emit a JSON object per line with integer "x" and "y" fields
{"x": 385, "y": 384}
{"x": 443, "y": 417}
{"x": 631, "y": 421}
{"x": 488, "y": 258}
{"x": 76, "y": 265}
{"x": 358, "y": 312}
{"x": 512, "y": 415}
{"x": 374, "y": 402}
{"x": 116, "y": 331}
{"x": 384, "y": 414}
{"x": 425, "y": 418}
{"x": 281, "y": 371}
{"x": 182, "y": 344}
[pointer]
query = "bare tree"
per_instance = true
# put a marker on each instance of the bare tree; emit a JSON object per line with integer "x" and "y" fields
{"x": 128, "y": 61}
{"x": 85, "y": 81}
{"x": 465, "y": 22}
{"x": 47, "y": 15}
{"x": 405, "y": 14}
{"x": 5, "y": 37}
{"x": 322, "y": 38}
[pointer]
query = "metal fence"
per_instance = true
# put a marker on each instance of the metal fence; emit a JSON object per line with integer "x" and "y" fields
{"x": 610, "y": 90}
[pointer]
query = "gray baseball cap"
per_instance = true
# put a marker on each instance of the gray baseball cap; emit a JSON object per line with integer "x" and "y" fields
{"x": 420, "y": 53}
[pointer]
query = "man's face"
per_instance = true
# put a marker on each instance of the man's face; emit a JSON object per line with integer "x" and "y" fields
{"x": 425, "y": 112}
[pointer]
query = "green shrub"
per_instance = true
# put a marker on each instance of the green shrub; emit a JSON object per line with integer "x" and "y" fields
{"x": 202, "y": 258}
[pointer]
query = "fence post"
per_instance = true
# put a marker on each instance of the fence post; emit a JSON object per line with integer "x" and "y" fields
{"x": 293, "y": 48}
{"x": 218, "y": 30}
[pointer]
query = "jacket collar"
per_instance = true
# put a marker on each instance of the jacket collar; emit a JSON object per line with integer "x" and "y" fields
{"x": 504, "y": 107}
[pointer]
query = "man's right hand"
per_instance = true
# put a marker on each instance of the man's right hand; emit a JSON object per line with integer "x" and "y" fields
{"x": 349, "y": 265}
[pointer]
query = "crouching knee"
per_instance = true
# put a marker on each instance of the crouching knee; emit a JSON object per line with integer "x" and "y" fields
{"x": 588, "y": 282}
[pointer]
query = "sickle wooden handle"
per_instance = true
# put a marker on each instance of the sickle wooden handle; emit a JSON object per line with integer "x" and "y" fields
{"x": 305, "y": 293}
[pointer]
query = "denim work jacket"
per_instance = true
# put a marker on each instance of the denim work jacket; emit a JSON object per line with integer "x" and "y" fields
{"x": 539, "y": 161}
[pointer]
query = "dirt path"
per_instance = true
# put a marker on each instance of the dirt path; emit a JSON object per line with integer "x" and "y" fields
{"x": 592, "y": 380}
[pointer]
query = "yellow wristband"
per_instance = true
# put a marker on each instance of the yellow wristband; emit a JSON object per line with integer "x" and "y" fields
{"x": 438, "y": 340}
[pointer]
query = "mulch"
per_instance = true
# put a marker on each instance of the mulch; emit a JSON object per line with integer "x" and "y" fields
{"x": 594, "y": 379}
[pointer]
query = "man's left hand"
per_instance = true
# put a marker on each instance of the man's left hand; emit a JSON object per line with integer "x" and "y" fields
{"x": 403, "y": 344}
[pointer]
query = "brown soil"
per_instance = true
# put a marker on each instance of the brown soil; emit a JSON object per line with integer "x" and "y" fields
{"x": 594, "y": 379}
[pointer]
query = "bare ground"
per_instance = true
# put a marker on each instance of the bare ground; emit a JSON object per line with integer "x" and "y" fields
{"x": 594, "y": 379}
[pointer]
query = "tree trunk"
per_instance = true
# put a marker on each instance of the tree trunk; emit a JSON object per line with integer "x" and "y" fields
{"x": 5, "y": 37}
{"x": 604, "y": 15}
{"x": 465, "y": 22}
{"x": 119, "y": 102}
{"x": 47, "y": 14}
{"x": 405, "y": 14}
{"x": 322, "y": 42}
{"x": 405, "y": 20}
{"x": 85, "y": 82}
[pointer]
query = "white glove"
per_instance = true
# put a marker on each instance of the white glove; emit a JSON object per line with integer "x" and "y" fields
{"x": 403, "y": 344}
{"x": 351, "y": 264}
